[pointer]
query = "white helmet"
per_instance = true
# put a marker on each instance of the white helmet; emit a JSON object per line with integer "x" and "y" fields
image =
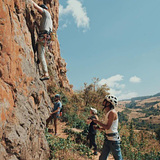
{"x": 112, "y": 99}
{"x": 94, "y": 110}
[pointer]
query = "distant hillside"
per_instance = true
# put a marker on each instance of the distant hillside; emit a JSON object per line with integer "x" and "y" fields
{"x": 143, "y": 111}
{"x": 145, "y": 97}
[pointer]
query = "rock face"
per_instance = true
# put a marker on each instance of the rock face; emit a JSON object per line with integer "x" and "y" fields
{"x": 23, "y": 97}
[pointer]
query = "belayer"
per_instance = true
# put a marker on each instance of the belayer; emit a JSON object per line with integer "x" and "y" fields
{"x": 55, "y": 112}
{"x": 44, "y": 37}
{"x": 92, "y": 131}
{"x": 110, "y": 125}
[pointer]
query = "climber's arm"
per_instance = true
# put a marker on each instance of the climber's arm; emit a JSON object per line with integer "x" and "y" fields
{"x": 55, "y": 111}
{"x": 37, "y": 7}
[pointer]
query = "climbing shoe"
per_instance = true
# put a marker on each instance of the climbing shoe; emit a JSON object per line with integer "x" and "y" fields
{"x": 38, "y": 61}
{"x": 44, "y": 78}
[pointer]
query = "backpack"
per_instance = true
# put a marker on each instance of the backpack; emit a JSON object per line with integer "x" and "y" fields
{"x": 61, "y": 110}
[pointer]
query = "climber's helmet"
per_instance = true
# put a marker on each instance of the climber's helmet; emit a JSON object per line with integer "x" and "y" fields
{"x": 94, "y": 111}
{"x": 112, "y": 100}
{"x": 44, "y": 6}
{"x": 57, "y": 96}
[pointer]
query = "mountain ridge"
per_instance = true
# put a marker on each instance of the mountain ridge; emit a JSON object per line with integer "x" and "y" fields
{"x": 142, "y": 97}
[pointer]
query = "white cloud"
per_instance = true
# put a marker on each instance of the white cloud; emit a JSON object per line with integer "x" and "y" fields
{"x": 135, "y": 79}
{"x": 128, "y": 95}
{"x": 114, "y": 91}
{"x": 75, "y": 8}
{"x": 113, "y": 81}
{"x": 117, "y": 88}
{"x": 114, "y": 84}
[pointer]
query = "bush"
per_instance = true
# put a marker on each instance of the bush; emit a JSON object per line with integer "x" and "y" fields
{"x": 158, "y": 134}
{"x": 122, "y": 117}
{"x": 73, "y": 121}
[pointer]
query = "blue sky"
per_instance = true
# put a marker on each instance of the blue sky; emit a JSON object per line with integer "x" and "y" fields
{"x": 117, "y": 41}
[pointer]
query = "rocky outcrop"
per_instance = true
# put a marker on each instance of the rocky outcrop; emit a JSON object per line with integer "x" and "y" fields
{"x": 23, "y": 97}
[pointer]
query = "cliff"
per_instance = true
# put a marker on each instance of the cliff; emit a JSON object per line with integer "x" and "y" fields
{"x": 23, "y": 97}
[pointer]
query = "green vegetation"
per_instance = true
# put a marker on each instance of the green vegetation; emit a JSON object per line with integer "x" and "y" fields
{"x": 149, "y": 111}
{"x": 74, "y": 121}
{"x": 144, "y": 125}
{"x": 136, "y": 152}
{"x": 132, "y": 104}
{"x": 158, "y": 134}
{"x": 59, "y": 147}
{"x": 122, "y": 117}
{"x": 135, "y": 145}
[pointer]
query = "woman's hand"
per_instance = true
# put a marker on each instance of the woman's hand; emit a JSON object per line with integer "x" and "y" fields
{"x": 95, "y": 121}
{"x": 51, "y": 113}
{"x": 98, "y": 128}
{"x": 88, "y": 121}
{"x": 101, "y": 129}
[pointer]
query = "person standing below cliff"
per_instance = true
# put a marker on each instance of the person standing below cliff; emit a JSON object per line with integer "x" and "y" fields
{"x": 112, "y": 139}
{"x": 44, "y": 38}
{"x": 92, "y": 132}
{"x": 55, "y": 112}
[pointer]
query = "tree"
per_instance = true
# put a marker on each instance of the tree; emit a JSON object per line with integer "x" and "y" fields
{"x": 131, "y": 136}
{"x": 88, "y": 93}
{"x": 93, "y": 93}
{"x": 95, "y": 82}
{"x": 158, "y": 134}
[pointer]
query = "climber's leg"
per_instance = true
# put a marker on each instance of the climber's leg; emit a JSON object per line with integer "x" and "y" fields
{"x": 41, "y": 56}
{"x": 55, "y": 123}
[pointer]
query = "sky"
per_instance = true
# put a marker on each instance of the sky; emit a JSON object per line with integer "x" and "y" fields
{"x": 117, "y": 41}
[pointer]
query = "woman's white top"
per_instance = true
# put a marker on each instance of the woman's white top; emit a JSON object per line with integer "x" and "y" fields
{"x": 112, "y": 129}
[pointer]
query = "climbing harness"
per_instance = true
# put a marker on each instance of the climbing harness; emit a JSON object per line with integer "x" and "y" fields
{"x": 44, "y": 38}
{"x": 111, "y": 134}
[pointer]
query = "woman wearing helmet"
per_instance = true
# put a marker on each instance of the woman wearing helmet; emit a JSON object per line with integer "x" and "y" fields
{"x": 112, "y": 139}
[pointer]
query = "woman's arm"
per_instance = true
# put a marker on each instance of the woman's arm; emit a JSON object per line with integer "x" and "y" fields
{"x": 37, "y": 7}
{"x": 107, "y": 126}
{"x": 55, "y": 111}
{"x": 98, "y": 128}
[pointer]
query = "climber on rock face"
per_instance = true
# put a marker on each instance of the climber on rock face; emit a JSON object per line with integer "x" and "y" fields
{"x": 44, "y": 37}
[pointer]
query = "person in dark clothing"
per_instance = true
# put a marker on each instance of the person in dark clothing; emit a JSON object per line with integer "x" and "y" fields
{"x": 92, "y": 132}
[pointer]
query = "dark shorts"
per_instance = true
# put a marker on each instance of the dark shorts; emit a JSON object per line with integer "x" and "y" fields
{"x": 55, "y": 115}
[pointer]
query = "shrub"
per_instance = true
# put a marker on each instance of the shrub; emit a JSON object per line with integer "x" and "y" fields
{"x": 157, "y": 131}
